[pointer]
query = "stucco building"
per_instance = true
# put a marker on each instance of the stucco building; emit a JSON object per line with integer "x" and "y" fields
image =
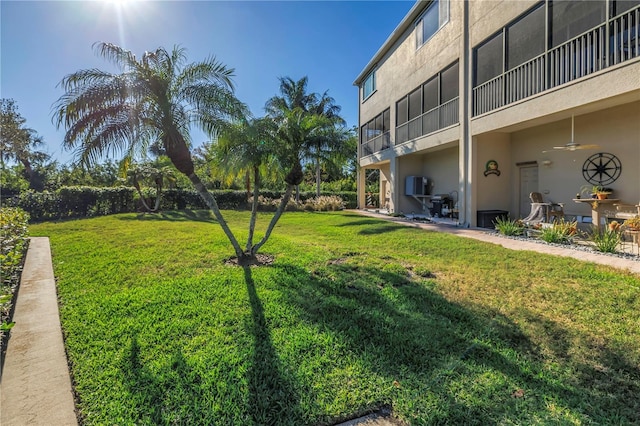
{"x": 475, "y": 95}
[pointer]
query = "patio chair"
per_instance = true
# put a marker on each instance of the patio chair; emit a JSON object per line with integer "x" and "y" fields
{"x": 552, "y": 210}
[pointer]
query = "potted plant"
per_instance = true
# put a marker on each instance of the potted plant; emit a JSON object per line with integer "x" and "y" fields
{"x": 596, "y": 191}
{"x": 632, "y": 223}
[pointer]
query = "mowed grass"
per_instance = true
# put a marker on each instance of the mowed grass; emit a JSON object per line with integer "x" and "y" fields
{"x": 354, "y": 314}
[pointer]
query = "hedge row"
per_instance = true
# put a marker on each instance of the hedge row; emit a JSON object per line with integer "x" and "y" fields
{"x": 13, "y": 246}
{"x": 85, "y": 201}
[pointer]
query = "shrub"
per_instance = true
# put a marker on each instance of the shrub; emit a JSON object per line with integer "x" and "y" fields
{"x": 324, "y": 203}
{"x": 505, "y": 226}
{"x": 85, "y": 201}
{"x": 13, "y": 245}
{"x": 560, "y": 232}
{"x": 607, "y": 240}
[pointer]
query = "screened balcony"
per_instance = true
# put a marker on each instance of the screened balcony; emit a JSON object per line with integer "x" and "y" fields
{"x": 377, "y": 144}
{"x": 433, "y": 120}
{"x": 615, "y": 41}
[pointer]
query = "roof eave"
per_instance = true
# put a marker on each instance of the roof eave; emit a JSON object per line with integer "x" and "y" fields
{"x": 405, "y": 24}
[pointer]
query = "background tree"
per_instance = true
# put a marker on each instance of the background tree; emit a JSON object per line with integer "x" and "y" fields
{"x": 19, "y": 143}
{"x": 154, "y": 99}
{"x": 146, "y": 173}
{"x": 330, "y": 135}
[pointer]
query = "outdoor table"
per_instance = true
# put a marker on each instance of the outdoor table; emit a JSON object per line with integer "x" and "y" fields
{"x": 597, "y": 208}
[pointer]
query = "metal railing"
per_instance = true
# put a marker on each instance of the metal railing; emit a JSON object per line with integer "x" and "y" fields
{"x": 433, "y": 120}
{"x": 583, "y": 55}
{"x": 377, "y": 144}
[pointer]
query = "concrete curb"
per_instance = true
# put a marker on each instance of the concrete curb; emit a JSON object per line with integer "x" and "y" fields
{"x": 35, "y": 388}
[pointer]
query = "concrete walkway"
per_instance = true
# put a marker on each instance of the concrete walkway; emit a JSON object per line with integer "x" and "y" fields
{"x": 513, "y": 244}
{"x": 35, "y": 388}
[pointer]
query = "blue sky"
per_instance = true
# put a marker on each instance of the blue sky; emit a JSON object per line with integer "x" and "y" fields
{"x": 328, "y": 41}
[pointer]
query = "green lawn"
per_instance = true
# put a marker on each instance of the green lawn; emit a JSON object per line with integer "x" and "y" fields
{"x": 353, "y": 315}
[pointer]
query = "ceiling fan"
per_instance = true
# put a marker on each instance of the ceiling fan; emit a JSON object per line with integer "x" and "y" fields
{"x": 572, "y": 146}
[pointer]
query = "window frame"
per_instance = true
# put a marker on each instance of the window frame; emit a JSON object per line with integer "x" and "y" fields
{"x": 443, "y": 12}
{"x": 371, "y": 77}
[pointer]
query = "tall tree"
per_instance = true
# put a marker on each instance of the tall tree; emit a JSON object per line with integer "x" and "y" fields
{"x": 330, "y": 134}
{"x": 248, "y": 148}
{"x": 19, "y": 143}
{"x": 154, "y": 99}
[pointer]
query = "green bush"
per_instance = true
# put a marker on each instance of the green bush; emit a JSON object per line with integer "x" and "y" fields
{"x": 85, "y": 201}
{"x": 560, "y": 232}
{"x": 605, "y": 241}
{"x": 509, "y": 227}
{"x": 13, "y": 245}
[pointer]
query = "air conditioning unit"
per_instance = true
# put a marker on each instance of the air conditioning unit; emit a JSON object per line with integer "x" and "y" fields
{"x": 417, "y": 186}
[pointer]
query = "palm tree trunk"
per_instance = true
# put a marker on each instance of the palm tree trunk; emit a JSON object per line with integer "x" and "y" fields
{"x": 136, "y": 185}
{"x": 254, "y": 208}
{"x": 180, "y": 156}
{"x": 274, "y": 220}
{"x": 158, "y": 197}
{"x": 213, "y": 205}
{"x": 318, "y": 177}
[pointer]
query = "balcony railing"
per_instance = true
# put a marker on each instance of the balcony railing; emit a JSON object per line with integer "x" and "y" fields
{"x": 435, "y": 119}
{"x": 578, "y": 57}
{"x": 377, "y": 144}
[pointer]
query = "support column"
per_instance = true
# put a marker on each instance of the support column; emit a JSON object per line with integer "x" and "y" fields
{"x": 361, "y": 177}
{"x": 465, "y": 146}
{"x": 395, "y": 186}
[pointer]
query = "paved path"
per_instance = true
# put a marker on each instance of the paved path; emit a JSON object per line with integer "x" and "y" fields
{"x": 35, "y": 388}
{"x": 513, "y": 244}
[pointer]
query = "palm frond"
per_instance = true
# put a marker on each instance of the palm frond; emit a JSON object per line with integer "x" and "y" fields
{"x": 116, "y": 54}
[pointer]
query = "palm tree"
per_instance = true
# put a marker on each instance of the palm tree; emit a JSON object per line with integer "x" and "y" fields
{"x": 152, "y": 100}
{"x": 293, "y": 95}
{"x": 146, "y": 172}
{"x": 247, "y": 148}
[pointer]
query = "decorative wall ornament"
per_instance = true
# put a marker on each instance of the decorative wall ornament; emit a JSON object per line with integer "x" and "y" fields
{"x": 491, "y": 168}
{"x": 601, "y": 169}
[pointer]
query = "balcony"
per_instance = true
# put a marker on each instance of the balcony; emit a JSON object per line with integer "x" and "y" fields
{"x": 583, "y": 55}
{"x": 377, "y": 144}
{"x": 433, "y": 120}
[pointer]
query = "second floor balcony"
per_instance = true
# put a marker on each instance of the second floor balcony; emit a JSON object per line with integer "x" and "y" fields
{"x": 611, "y": 43}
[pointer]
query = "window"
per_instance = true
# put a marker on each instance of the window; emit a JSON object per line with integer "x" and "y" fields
{"x": 415, "y": 103}
{"x": 377, "y": 126}
{"x": 570, "y": 18}
{"x": 431, "y": 97}
{"x": 369, "y": 85}
{"x": 402, "y": 112}
{"x": 525, "y": 38}
{"x": 433, "y": 18}
{"x": 449, "y": 82}
{"x": 489, "y": 59}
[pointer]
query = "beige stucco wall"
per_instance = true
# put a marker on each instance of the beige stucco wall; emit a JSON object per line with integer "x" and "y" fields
{"x": 441, "y": 167}
{"x": 486, "y": 17}
{"x": 615, "y": 130}
{"x": 493, "y": 192}
{"x": 404, "y": 68}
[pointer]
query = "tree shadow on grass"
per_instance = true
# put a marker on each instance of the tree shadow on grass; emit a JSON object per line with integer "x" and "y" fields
{"x": 272, "y": 397}
{"x": 176, "y": 394}
{"x": 170, "y": 396}
{"x": 373, "y": 226}
{"x": 174, "y": 216}
{"x": 414, "y": 337}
